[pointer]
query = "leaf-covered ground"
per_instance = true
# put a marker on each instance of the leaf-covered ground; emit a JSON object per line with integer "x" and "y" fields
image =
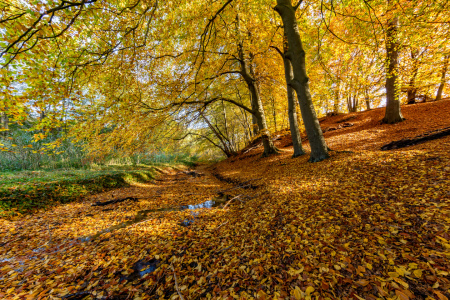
{"x": 365, "y": 224}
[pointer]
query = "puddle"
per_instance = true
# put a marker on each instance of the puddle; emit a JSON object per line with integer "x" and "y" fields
{"x": 144, "y": 214}
{"x": 140, "y": 269}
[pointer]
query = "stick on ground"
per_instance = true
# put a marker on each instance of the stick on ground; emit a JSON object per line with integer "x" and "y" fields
{"x": 176, "y": 282}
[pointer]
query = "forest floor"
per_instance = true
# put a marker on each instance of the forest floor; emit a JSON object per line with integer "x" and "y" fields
{"x": 364, "y": 224}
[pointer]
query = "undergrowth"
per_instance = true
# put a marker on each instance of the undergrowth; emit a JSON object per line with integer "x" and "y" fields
{"x": 27, "y": 191}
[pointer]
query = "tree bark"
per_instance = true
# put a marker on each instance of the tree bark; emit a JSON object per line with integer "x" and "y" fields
{"x": 4, "y": 123}
{"x": 292, "y": 109}
{"x": 442, "y": 84}
{"x": 352, "y": 103}
{"x": 393, "y": 113}
{"x": 296, "y": 54}
{"x": 247, "y": 74}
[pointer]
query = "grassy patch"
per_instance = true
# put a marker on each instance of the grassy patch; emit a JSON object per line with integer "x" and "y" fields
{"x": 27, "y": 191}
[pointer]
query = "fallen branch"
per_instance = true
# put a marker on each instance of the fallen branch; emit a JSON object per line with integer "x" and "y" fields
{"x": 224, "y": 249}
{"x": 220, "y": 225}
{"x": 114, "y": 201}
{"x": 176, "y": 282}
{"x": 49, "y": 234}
{"x": 237, "y": 197}
{"x": 428, "y": 136}
{"x": 242, "y": 185}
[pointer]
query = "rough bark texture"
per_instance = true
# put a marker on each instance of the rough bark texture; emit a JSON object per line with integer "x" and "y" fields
{"x": 444, "y": 72}
{"x": 296, "y": 54}
{"x": 292, "y": 112}
{"x": 393, "y": 113}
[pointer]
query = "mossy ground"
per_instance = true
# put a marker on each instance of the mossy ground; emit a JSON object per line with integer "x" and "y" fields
{"x": 26, "y": 191}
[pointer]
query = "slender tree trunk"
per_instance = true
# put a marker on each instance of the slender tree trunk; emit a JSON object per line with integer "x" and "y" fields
{"x": 274, "y": 113}
{"x": 4, "y": 123}
{"x": 412, "y": 89}
{"x": 295, "y": 131}
{"x": 296, "y": 54}
{"x": 367, "y": 99}
{"x": 247, "y": 74}
{"x": 292, "y": 108}
{"x": 352, "y": 103}
{"x": 393, "y": 113}
{"x": 444, "y": 72}
{"x": 336, "y": 97}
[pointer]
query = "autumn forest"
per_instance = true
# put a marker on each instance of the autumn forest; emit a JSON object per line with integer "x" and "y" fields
{"x": 225, "y": 149}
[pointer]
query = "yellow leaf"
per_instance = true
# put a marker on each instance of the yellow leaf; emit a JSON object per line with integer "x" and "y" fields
{"x": 401, "y": 295}
{"x": 404, "y": 284}
{"x": 417, "y": 273}
{"x": 440, "y": 295}
{"x": 309, "y": 290}
{"x": 393, "y": 274}
{"x": 297, "y": 293}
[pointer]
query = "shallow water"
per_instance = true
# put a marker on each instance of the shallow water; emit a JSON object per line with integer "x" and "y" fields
{"x": 144, "y": 215}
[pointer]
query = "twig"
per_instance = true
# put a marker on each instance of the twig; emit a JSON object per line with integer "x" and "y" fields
{"x": 224, "y": 249}
{"x": 237, "y": 197}
{"x": 50, "y": 235}
{"x": 221, "y": 225}
{"x": 176, "y": 282}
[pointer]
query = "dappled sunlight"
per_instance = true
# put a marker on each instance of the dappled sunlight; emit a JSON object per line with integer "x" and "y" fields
{"x": 71, "y": 234}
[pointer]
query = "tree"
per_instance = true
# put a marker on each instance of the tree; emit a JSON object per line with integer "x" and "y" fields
{"x": 443, "y": 74}
{"x": 296, "y": 54}
{"x": 393, "y": 113}
{"x": 292, "y": 111}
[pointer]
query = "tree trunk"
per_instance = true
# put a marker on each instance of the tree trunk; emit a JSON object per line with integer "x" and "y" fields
{"x": 4, "y": 123}
{"x": 292, "y": 109}
{"x": 274, "y": 113}
{"x": 412, "y": 90}
{"x": 444, "y": 72}
{"x": 247, "y": 74}
{"x": 367, "y": 99}
{"x": 336, "y": 97}
{"x": 352, "y": 103}
{"x": 269, "y": 147}
{"x": 296, "y": 54}
{"x": 393, "y": 113}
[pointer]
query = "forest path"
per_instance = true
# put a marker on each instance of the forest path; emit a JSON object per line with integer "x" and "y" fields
{"x": 61, "y": 245}
{"x": 372, "y": 224}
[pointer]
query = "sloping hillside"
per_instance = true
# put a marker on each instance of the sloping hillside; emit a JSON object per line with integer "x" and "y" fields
{"x": 364, "y": 224}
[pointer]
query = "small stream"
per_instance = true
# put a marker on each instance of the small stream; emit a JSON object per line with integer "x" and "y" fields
{"x": 141, "y": 267}
{"x": 143, "y": 215}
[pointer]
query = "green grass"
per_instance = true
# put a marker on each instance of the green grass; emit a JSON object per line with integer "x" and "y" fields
{"x": 26, "y": 191}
